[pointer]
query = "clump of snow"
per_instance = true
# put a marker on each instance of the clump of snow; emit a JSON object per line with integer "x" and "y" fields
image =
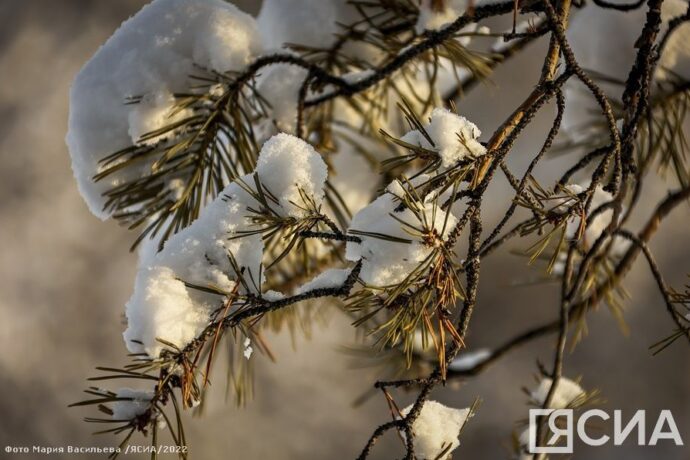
{"x": 151, "y": 56}
{"x": 454, "y": 137}
{"x": 469, "y": 359}
{"x": 280, "y": 84}
{"x": 313, "y": 23}
{"x": 566, "y": 392}
{"x": 436, "y": 428}
{"x": 523, "y": 441}
{"x": 288, "y": 165}
{"x": 248, "y": 350}
{"x": 432, "y": 18}
{"x": 386, "y": 262}
{"x": 300, "y": 22}
{"x": 272, "y": 296}
{"x": 162, "y": 305}
{"x": 331, "y": 278}
{"x": 230, "y": 40}
{"x": 137, "y": 402}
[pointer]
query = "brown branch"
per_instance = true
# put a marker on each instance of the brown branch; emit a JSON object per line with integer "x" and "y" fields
{"x": 672, "y": 201}
{"x": 658, "y": 277}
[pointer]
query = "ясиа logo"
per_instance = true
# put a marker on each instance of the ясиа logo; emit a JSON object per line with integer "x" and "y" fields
{"x": 561, "y": 425}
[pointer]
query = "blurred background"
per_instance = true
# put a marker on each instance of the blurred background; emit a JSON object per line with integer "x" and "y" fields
{"x": 65, "y": 276}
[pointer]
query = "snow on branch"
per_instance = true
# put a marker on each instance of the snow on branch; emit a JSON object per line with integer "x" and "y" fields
{"x": 221, "y": 253}
{"x": 310, "y": 154}
{"x": 124, "y": 96}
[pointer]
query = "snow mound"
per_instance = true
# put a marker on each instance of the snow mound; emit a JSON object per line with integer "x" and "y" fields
{"x": 385, "y": 261}
{"x": 454, "y": 137}
{"x": 167, "y": 302}
{"x": 436, "y": 428}
{"x": 151, "y": 57}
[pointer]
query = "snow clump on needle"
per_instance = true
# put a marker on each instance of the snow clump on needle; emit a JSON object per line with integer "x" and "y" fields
{"x": 393, "y": 242}
{"x": 167, "y": 302}
{"x": 146, "y": 61}
{"x": 452, "y": 136}
{"x": 436, "y": 429}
